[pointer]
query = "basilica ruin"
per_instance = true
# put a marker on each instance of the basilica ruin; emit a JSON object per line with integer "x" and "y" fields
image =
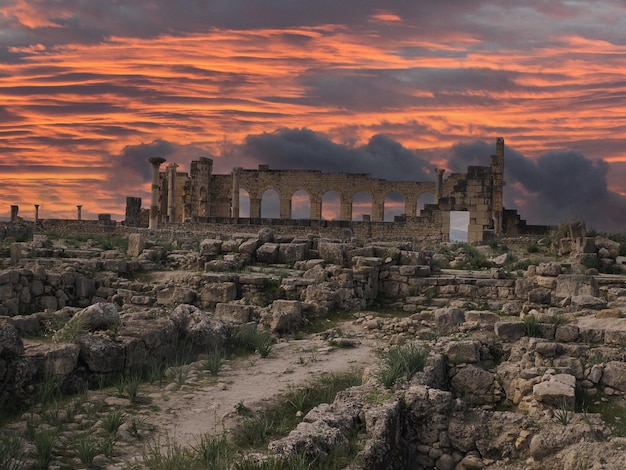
{"x": 203, "y": 197}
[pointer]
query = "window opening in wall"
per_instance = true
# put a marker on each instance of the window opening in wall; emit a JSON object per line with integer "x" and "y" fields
{"x": 361, "y": 206}
{"x": 300, "y": 205}
{"x": 459, "y": 224}
{"x": 270, "y": 205}
{"x": 331, "y": 205}
{"x": 394, "y": 205}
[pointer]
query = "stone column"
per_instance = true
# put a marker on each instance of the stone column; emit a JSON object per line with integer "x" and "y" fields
{"x": 285, "y": 207}
{"x": 255, "y": 207}
{"x": 154, "y": 203}
{"x": 14, "y": 212}
{"x": 345, "y": 210}
{"x": 438, "y": 183}
{"x": 378, "y": 210}
{"x": 316, "y": 207}
{"x": 36, "y": 213}
{"x": 497, "y": 178}
{"x": 171, "y": 192}
{"x": 235, "y": 194}
{"x": 79, "y": 212}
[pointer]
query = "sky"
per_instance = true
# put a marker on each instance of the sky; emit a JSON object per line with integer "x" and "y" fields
{"x": 90, "y": 89}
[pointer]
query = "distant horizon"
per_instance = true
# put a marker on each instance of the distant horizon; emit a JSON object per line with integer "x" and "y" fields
{"x": 90, "y": 90}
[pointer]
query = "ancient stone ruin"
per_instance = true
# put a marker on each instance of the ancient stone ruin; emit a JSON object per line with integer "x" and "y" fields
{"x": 201, "y": 196}
{"x": 524, "y": 364}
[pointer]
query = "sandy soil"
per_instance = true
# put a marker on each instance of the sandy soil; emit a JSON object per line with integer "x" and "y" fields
{"x": 206, "y": 404}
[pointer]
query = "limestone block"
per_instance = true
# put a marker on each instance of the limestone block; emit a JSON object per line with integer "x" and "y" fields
{"x": 234, "y": 313}
{"x": 568, "y": 285}
{"x": 481, "y": 316}
{"x": 100, "y": 353}
{"x": 10, "y": 276}
{"x": 176, "y": 295}
{"x": 26, "y": 325}
{"x": 540, "y": 295}
{"x": 612, "y": 247}
{"x": 546, "y": 282}
{"x": 459, "y": 352}
{"x": 99, "y": 316}
{"x": 509, "y": 330}
{"x": 249, "y": 246}
{"x": 266, "y": 235}
{"x": 615, "y": 337}
{"x": 595, "y": 375}
{"x": 621, "y": 260}
{"x": 219, "y": 292}
{"x": 136, "y": 244}
{"x": 588, "y": 301}
{"x": 289, "y": 253}
{"x": 523, "y": 287}
{"x": 284, "y": 315}
{"x": 558, "y": 391}
{"x": 316, "y": 440}
{"x": 58, "y": 359}
{"x": 334, "y": 253}
{"x": 210, "y": 247}
{"x": 549, "y": 269}
{"x": 412, "y": 258}
{"x": 268, "y": 253}
{"x": 566, "y": 333}
{"x": 48, "y": 302}
{"x": 199, "y": 326}
{"x": 36, "y": 288}
{"x": 447, "y": 320}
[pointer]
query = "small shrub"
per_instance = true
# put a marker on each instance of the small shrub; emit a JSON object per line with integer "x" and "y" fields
{"x": 213, "y": 451}
{"x": 531, "y": 326}
{"x": 174, "y": 456}
{"x": 213, "y": 363}
{"x": 112, "y": 421}
{"x": 264, "y": 343}
{"x": 402, "y": 361}
{"x": 87, "y": 446}
{"x": 44, "y": 441}
{"x": 11, "y": 452}
{"x": 562, "y": 415}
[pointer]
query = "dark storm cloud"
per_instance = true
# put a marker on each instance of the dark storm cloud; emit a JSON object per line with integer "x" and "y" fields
{"x": 131, "y": 169}
{"x": 558, "y": 186}
{"x": 300, "y": 149}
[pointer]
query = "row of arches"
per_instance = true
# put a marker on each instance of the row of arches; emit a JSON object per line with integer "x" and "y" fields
{"x": 362, "y": 205}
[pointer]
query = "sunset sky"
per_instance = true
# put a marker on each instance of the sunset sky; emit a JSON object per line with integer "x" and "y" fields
{"x": 90, "y": 89}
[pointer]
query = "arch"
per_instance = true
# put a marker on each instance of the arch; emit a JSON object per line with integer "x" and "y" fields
{"x": 300, "y": 205}
{"x": 425, "y": 198}
{"x": 331, "y": 205}
{"x": 270, "y": 204}
{"x": 393, "y": 205}
{"x": 361, "y": 205}
{"x": 459, "y": 226}
{"x": 244, "y": 204}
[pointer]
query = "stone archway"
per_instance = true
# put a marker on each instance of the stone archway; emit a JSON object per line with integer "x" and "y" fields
{"x": 244, "y": 204}
{"x": 362, "y": 206}
{"x": 394, "y": 205}
{"x": 270, "y": 204}
{"x": 425, "y": 198}
{"x": 331, "y": 205}
{"x": 300, "y": 205}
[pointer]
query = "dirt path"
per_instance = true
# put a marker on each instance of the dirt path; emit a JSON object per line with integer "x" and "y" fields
{"x": 207, "y": 405}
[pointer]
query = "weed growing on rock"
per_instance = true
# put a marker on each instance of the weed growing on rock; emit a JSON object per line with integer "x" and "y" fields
{"x": 87, "y": 446}
{"x": 531, "y": 326}
{"x": 402, "y": 361}
{"x": 11, "y": 452}
{"x": 113, "y": 420}
{"x": 44, "y": 441}
{"x": 213, "y": 362}
{"x": 562, "y": 414}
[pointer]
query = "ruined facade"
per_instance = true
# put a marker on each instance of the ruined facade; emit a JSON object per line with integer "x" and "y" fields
{"x": 201, "y": 196}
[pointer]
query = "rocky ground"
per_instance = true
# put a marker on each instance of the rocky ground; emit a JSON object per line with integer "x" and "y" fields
{"x": 523, "y": 366}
